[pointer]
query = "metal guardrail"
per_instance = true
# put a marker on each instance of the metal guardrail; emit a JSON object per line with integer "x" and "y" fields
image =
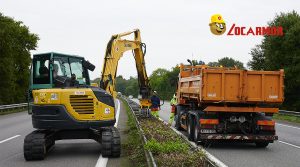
{"x": 292, "y": 113}
{"x": 12, "y": 106}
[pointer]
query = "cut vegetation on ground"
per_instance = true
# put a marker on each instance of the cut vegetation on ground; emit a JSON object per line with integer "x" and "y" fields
{"x": 167, "y": 147}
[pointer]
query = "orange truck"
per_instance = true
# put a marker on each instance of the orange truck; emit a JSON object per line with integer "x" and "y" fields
{"x": 216, "y": 103}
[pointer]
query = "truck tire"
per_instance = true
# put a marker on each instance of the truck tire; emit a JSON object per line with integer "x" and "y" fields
{"x": 35, "y": 146}
{"x": 179, "y": 111}
{"x": 177, "y": 122}
{"x": 191, "y": 128}
{"x": 261, "y": 144}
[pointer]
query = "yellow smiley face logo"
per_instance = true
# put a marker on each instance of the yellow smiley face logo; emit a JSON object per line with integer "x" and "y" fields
{"x": 217, "y": 25}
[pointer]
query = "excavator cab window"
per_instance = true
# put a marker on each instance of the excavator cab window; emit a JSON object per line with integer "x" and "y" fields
{"x": 66, "y": 69}
{"x": 77, "y": 70}
{"x": 41, "y": 72}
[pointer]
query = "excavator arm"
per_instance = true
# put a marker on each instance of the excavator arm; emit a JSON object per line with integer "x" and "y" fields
{"x": 114, "y": 51}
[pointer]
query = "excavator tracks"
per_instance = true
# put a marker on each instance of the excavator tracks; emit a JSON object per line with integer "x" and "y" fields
{"x": 37, "y": 144}
{"x": 111, "y": 143}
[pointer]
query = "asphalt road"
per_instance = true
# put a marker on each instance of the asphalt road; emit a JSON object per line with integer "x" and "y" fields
{"x": 66, "y": 153}
{"x": 284, "y": 152}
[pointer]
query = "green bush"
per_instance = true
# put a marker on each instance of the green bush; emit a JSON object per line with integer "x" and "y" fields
{"x": 166, "y": 147}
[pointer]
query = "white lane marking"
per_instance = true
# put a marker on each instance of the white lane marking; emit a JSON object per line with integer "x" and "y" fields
{"x": 289, "y": 144}
{"x": 2, "y": 141}
{"x": 288, "y": 126}
{"x": 102, "y": 162}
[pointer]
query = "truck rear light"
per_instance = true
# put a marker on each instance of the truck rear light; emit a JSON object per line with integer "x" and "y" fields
{"x": 266, "y": 122}
{"x": 209, "y": 121}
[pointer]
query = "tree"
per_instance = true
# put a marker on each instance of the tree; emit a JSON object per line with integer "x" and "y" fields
{"x": 258, "y": 58}
{"x": 213, "y": 64}
{"x": 132, "y": 87}
{"x": 15, "y": 44}
{"x": 279, "y": 52}
{"x": 121, "y": 84}
{"x": 164, "y": 82}
{"x": 227, "y": 62}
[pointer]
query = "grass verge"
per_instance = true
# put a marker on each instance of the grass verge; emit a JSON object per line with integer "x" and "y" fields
{"x": 288, "y": 118}
{"x": 133, "y": 147}
{"x": 169, "y": 149}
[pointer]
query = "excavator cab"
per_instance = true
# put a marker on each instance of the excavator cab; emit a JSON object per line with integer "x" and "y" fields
{"x": 56, "y": 70}
{"x": 52, "y": 70}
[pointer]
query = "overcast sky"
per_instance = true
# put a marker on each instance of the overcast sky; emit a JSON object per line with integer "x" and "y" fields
{"x": 173, "y": 30}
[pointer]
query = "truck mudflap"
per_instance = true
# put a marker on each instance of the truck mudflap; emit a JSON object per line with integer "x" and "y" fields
{"x": 238, "y": 137}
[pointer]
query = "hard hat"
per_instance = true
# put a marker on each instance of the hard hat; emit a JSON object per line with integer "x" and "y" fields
{"x": 154, "y": 92}
{"x": 217, "y": 18}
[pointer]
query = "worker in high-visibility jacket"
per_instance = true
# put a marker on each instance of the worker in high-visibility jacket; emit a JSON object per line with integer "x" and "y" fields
{"x": 173, "y": 104}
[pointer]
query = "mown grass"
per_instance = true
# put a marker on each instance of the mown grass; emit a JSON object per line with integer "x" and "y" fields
{"x": 288, "y": 118}
{"x": 133, "y": 147}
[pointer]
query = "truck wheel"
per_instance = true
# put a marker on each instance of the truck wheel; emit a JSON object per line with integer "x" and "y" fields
{"x": 35, "y": 146}
{"x": 190, "y": 129}
{"x": 116, "y": 143}
{"x": 177, "y": 122}
{"x": 196, "y": 131}
{"x": 261, "y": 144}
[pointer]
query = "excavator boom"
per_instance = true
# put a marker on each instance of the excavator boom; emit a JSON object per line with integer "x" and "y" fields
{"x": 114, "y": 51}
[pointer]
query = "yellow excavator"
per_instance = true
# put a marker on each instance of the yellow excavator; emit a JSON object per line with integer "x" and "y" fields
{"x": 64, "y": 105}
